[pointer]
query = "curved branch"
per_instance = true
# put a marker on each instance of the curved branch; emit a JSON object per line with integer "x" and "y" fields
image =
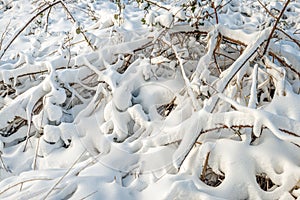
{"x": 25, "y": 26}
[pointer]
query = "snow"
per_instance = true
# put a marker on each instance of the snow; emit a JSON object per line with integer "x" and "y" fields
{"x": 149, "y": 100}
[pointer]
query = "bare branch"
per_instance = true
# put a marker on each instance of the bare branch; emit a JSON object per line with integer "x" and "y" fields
{"x": 24, "y": 27}
{"x": 267, "y": 10}
{"x": 275, "y": 25}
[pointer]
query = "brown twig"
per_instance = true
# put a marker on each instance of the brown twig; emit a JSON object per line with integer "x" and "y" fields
{"x": 74, "y": 21}
{"x": 282, "y": 61}
{"x": 126, "y": 64}
{"x": 211, "y": 109}
{"x": 267, "y": 10}
{"x": 217, "y": 8}
{"x": 288, "y": 132}
{"x": 203, "y": 174}
{"x": 214, "y": 53}
{"x": 203, "y": 131}
{"x": 25, "y": 26}
{"x": 156, "y": 4}
{"x": 233, "y": 41}
{"x": 226, "y": 56}
{"x": 35, "y": 16}
{"x": 275, "y": 25}
{"x": 290, "y": 37}
{"x": 216, "y": 13}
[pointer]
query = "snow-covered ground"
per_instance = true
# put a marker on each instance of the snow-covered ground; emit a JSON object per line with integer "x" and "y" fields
{"x": 149, "y": 99}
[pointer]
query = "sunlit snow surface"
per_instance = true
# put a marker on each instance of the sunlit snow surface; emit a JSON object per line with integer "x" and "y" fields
{"x": 130, "y": 104}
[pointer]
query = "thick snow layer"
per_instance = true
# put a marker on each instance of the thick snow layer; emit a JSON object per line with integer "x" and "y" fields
{"x": 149, "y": 99}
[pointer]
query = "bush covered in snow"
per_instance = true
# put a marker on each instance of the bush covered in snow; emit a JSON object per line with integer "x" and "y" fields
{"x": 150, "y": 99}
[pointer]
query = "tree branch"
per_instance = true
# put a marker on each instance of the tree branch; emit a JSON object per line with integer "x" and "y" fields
{"x": 275, "y": 25}
{"x": 25, "y": 26}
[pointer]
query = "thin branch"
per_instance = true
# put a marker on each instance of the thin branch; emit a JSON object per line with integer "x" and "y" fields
{"x": 28, "y": 131}
{"x": 7, "y": 4}
{"x": 16, "y": 184}
{"x": 74, "y": 21}
{"x": 203, "y": 174}
{"x": 87, "y": 196}
{"x": 214, "y": 53}
{"x": 67, "y": 172}
{"x": 47, "y": 20}
{"x": 267, "y": 10}
{"x": 157, "y": 4}
{"x": 226, "y": 56}
{"x": 233, "y": 41}
{"x": 228, "y": 79}
{"x": 288, "y": 132}
{"x": 282, "y": 61}
{"x": 275, "y": 25}
{"x": 3, "y": 164}
{"x": 190, "y": 147}
{"x": 290, "y": 37}
{"x": 186, "y": 80}
{"x": 36, "y": 153}
{"x": 217, "y": 8}
{"x": 216, "y": 13}
{"x": 4, "y": 34}
{"x": 25, "y": 26}
{"x": 33, "y": 18}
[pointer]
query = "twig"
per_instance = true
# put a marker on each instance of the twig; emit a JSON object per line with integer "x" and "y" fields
{"x": 28, "y": 130}
{"x": 214, "y": 53}
{"x": 35, "y": 16}
{"x": 233, "y": 41}
{"x": 212, "y": 106}
{"x": 3, "y": 165}
{"x": 267, "y": 10}
{"x": 36, "y": 153}
{"x": 226, "y": 56}
{"x": 217, "y": 8}
{"x": 203, "y": 174}
{"x": 4, "y": 6}
{"x": 275, "y": 25}
{"x": 156, "y": 4}
{"x": 290, "y": 37}
{"x": 288, "y": 132}
{"x": 40, "y": 6}
{"x": 216, "y": 13}
{"x": 47, "y": 20}
{"x": 88, "y": 195}
{"x": 74, "y": 21}
{"x": 282, "y": 61}
{"x": 4, "y": 33}
{"x": 16, "y": 184}
{"x": 186, "y": 80}
{"x": 70, "y": 168}
{"x": 190, "y": 147}
{"x": 25, "y": 26}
